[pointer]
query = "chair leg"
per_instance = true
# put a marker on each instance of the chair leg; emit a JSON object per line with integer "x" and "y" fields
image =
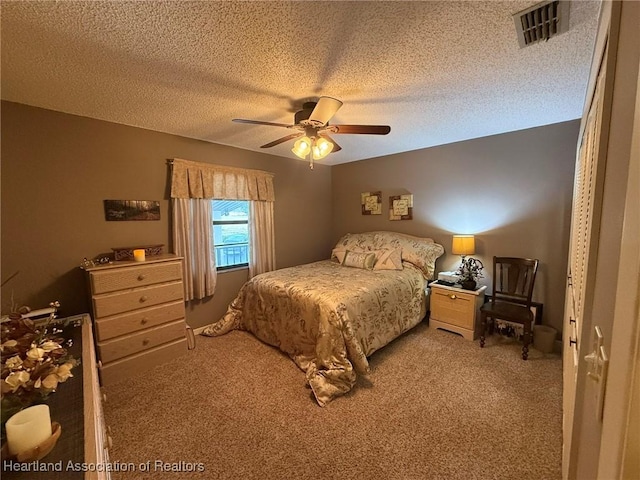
{"x": 526, "y": 340}
{"x": 483, "y": 328}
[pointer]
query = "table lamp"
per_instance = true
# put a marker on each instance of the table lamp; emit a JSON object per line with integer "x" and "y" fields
{"x": 463, "y": 245}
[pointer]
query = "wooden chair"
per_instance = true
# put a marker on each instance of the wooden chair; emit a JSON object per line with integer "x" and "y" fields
{"x": 513, "y": 280}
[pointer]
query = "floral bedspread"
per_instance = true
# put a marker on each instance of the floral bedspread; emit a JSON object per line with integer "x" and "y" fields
{"x": 328, "y": 317}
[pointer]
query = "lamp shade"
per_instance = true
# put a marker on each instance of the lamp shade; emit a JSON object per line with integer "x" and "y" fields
{"x": 302, "y": 147}
{"x": 463, "y": 245}
{"x": 321, "y": 148}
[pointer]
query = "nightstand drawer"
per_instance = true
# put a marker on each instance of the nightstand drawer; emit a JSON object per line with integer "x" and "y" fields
{"x": 105, "y": 281}
{"x": 454, "y": 308}
{"x": 122, "y": 346}
{"x": 131, "y": 322}
{"x": 112, "y": 304}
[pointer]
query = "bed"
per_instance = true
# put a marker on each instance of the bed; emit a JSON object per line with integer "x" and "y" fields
{"x": 329, "y": 316}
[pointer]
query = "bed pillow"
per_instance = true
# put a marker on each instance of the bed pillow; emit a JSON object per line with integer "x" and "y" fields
{"x": 364, "y": 260}
{"x": 419, "y": 251}
{"x": 338, "y": 254}
{"x": 388, "y": 259}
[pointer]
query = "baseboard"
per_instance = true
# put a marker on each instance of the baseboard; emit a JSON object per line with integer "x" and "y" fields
{"x": 199, "y": 330}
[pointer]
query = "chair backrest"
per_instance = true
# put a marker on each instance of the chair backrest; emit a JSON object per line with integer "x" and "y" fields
{"x": 513, "y": 278}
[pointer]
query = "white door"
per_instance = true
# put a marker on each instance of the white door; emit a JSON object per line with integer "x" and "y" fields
{"x": 600, "y": 298}
{"x": 582, "y": 254}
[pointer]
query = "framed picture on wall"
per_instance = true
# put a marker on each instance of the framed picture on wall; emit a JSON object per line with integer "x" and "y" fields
{"x": 401, "y": 207}
{"x": 371, "y": 203}
{"x": 121, "y": 210}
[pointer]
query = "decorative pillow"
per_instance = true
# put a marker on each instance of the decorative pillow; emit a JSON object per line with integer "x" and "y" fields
{"x": 364, "y": 260}
{"x": 338, "y": 253}
{"x": 389, "y": 259}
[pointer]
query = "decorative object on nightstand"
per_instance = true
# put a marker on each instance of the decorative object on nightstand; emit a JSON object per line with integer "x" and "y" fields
{"x": 455, "y": 309}
{"x": 468, "y": 273}
{"x": 513, "y": 280}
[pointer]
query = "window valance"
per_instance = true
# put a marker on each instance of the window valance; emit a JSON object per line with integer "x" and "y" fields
{"x": 206, "y": 180}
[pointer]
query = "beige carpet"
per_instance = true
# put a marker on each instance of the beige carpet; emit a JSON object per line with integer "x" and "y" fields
{"x": 435, "y": 406}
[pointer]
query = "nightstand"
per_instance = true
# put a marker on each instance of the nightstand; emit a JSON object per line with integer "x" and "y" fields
{"x": 455, "y": 309}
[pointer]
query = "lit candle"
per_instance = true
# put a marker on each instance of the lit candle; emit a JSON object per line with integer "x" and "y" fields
{"x": 28, "y": 428}
{"x": 138, "y": 255}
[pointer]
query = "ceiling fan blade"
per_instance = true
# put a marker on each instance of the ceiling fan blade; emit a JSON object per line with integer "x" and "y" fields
{"x": 258, "y": 122}
{"x": 363, "y": 129}
{"x": 324, "y": 110}
{"x": 336, "y": 147}
{"x": 282, "y": 140}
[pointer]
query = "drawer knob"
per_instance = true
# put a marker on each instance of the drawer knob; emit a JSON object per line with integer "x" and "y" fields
{"x": 144, "y": 321}
{"x": 143, "y": 298}
{"x": 145, "y": 342}
{"x": 141, "y": 277}
{"x": 453, "y": 296}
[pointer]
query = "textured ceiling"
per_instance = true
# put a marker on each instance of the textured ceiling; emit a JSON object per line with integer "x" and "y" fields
{"x": 436, "y": 72}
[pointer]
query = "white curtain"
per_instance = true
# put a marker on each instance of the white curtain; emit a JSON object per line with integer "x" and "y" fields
{"x": 193, "y": 240}
{"x": 262, "y": 242}
{"x": 193, "y": 186}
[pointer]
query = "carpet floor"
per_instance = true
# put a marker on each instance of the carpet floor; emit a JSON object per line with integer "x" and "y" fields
{"x": 435, "y": 406}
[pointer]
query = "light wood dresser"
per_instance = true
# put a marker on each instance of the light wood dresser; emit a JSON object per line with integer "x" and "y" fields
{"x": 97, "y": 436}
{"x": 455, "y": 309}
{"x": 139, "y": 314}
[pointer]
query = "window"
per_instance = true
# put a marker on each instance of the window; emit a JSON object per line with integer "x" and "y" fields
{"x": 231, "y": 233}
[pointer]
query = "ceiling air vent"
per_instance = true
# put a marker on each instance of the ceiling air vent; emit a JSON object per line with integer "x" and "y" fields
{"x": 542, "y": 21}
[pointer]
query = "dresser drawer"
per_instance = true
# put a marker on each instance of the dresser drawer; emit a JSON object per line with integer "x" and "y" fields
{"x": 114, "y": 303}
{"x": 131, "y": 322}
{"x": 110, "y": 280}
{"x": 117, "y": 348}
{"x": 454, "y": 308}
{"x": 140, "y": 362}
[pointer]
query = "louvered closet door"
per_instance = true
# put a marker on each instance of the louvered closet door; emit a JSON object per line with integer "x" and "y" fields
{"x": 582, "y": 253}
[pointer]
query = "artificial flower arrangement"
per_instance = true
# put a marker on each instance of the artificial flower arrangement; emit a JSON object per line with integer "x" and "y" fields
{"x": 34, "y": 361}
{"x": 469, "y": 271}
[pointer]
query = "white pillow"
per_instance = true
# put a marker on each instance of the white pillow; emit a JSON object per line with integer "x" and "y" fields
{"x": 388, "y": 259}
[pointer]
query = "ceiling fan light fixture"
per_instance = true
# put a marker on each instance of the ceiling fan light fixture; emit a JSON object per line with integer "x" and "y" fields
{"x": 302, "y": 147}
{"x": 321, "y": 148}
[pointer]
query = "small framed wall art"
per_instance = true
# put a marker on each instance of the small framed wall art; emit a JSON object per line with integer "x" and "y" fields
{"x": 401, "y": 207}
{"x": 371, "y": 203}
{"x": 119, "y": 210}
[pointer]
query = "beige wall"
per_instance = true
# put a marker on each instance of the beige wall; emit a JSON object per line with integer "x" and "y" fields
{"x": 513, "y": 191}
{"x": 58, "y": 168}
